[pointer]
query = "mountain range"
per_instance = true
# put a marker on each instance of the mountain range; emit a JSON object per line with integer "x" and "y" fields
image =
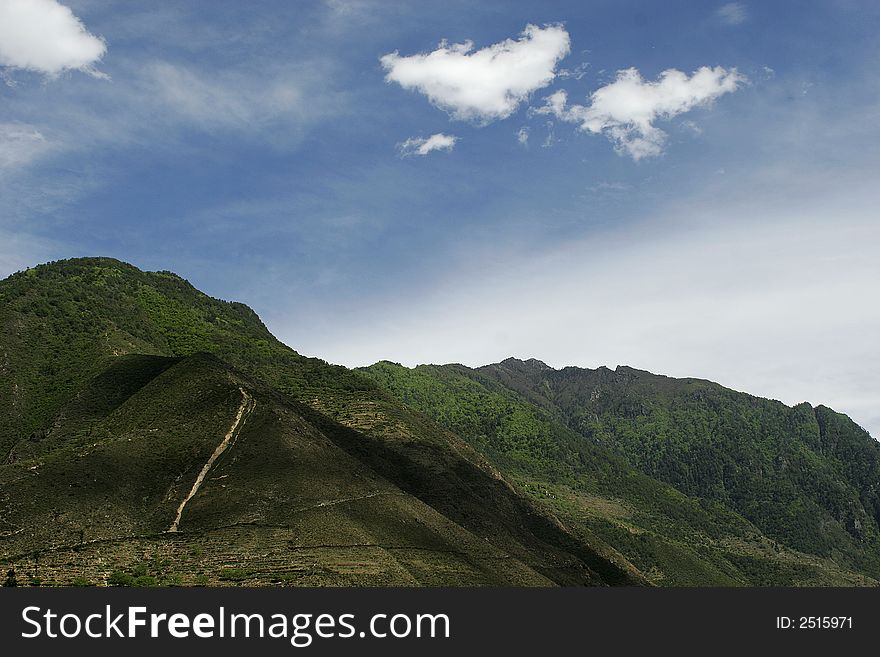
{"x": 153, "y": 435}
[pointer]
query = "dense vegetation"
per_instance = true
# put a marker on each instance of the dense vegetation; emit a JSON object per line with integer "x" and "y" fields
{"x": 60, "y": 323}
{"x": 807, "y": 478}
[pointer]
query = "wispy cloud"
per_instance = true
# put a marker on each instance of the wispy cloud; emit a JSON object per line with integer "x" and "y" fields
{"x": 691, "y": 127}
{"x": 228, "y": 99}
{"x": 487, "y": 84}
{"x": 733, "y": 13}
{"x": 626, "y": 109}
{"x": 20, "y": 144}
{"x": 46, "y": 37}
{"x": 425, "y": 145}
{"x": 348, "y": 7}
{"x": 733, "y": 299}
{"x": 610, "y": 186}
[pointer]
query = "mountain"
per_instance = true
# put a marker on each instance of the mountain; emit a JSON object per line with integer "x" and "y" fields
{"x": 154, "y": 435}
{"x": 690, "y": 481}
{"x": 150, "y": 434}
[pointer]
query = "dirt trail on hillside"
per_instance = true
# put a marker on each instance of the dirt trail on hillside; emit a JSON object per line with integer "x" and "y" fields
{"x": 246, "y": 407}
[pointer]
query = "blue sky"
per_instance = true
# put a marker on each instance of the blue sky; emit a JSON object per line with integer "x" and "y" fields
{"x": 261, "y": 151}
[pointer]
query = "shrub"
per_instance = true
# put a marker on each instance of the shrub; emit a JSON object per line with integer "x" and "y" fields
{"x": 120, "y": 578}
{"x": 233, "y": 574}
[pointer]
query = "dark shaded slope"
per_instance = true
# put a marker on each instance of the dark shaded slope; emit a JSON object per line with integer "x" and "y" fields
{"x": 124, "y": 376}
{"x": 111, "y": 465}
{"x": 489, "y": 507}
{"x": 309, "y": 512}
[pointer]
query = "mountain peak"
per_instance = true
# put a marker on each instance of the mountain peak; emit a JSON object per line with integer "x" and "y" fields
{"x": 530, "y": 363}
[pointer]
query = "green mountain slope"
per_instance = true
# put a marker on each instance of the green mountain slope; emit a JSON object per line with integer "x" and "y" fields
{"x": 152, "y": 434}
{"x": 771, "y": 494}
{"x": 133, "y": 405}
{"x": 807, "y": 477}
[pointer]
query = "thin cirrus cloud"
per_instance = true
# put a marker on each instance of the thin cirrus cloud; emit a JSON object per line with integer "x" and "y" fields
{"x": 425, "y": 145}
{"x": 46, "y": 37}
{"x": 733, "y": 13}
{"x": 482, "y": 85}
{"x": 625, "y": 110}
{"x": 229, "y": 100}
{"x": 733, "y": 299}
{"x": 19, "y": 145}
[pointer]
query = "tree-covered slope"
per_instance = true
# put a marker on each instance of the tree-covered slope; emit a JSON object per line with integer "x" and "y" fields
{"x": 59, "y": 323}
{"x": 807, "y": 477}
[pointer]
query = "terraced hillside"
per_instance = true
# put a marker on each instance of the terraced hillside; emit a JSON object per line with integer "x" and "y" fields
{"x": 152, "y": 435}
{"x": 129, "y": 398}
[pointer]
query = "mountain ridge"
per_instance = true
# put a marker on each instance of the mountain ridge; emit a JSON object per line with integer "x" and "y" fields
{"x": 116, "y": 385}
{"x": 636, "y": 370}
{"x": 102, "y": 361}
{"x": 806, "y": 476}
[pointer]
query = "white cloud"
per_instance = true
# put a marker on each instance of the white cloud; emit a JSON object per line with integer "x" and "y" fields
{"x": 424, "y": 145}
{"x": 522, "y": 136}
{"x": 486, "y": 84}
{"x": 626, "y": 109}
{"x": 45, "y": 36}
{"x": 733, "y": 13}
{"x": 19, "y": 145}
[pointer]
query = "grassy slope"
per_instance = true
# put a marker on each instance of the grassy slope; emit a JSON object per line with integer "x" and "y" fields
{"x": 63, "y": 324}
{"x": 99, "y": 500}
{"x": 673, "y": 538}
{"x": 73, "y": 340}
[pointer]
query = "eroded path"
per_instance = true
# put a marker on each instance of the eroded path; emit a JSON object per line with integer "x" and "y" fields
{"x": 244, "y": 410}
